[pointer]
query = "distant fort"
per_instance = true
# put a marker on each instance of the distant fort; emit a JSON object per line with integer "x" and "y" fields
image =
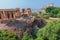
{"x": 9, "y": 14}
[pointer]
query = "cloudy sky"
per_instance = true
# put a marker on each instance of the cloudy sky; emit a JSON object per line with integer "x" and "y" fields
{"x": 34, "y": 4}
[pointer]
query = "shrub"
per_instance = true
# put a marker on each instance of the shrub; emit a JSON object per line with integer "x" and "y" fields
{"x": 34, "y": 14}
{"x": 51, "y": 14}
{"x": 44, "y": 15}
{"x": 27, "y": 37}
{"x": 50, "y": 31}
{"x": 53, "y": 11}
{"x": 8, "y": 35}
{"x": 58, "y": 15}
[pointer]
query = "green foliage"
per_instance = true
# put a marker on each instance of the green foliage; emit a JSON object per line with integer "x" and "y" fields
{"x": 45, "y": 15}
{"x": 34, "y": 33}
{"x": 53, "y": 11}
{"x": 58, "y": 15}
{"x": 49, "y": 9}
{"x": 39, "y": 38}
{"x": 50, "y": 31}
{"x": 50, "y": 14}
{"x": 8, "y": 35}
{"x": 34, "y": 14}
{"x": 27, "y": 37}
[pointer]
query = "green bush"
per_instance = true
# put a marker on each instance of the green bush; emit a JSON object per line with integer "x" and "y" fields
{"x": 53, "y": 11}
{"x": 26, "y": 36}
{"x": 58, "y": 15}
{"x": 34, "y": 14}
{"x": 50, "y": 31}
{"x": 44, "y": 15}
{"x": 50, "y": 14}
{"x": 8, "y": 35}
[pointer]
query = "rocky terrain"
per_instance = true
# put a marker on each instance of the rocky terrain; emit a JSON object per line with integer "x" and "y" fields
{"x": 23, "y": 24}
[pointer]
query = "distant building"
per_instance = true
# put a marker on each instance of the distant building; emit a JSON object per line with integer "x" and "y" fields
{"x": 47, "y": 5}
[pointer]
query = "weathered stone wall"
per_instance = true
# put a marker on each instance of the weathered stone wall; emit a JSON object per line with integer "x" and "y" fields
{"x": 7, "y": 14}
{"x": 26, "y": 11}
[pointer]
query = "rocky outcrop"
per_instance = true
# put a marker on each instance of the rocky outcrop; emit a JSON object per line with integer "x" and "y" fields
{"x": 24, "y": 23}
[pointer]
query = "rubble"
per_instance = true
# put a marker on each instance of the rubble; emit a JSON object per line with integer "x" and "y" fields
{"x": 24, "y": 23}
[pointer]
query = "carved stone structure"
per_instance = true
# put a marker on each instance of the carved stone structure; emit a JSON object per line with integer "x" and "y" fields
{"x": 26, "y": 11}
{"x": 10, "y": 14}
{"x": 7, "y": 14}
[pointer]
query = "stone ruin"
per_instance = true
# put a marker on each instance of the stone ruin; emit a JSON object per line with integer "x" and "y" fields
{"x": 13, "y": 14}
{"x": 24, "y": 23}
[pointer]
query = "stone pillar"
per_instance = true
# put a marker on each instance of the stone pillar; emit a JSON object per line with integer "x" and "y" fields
{"x": 18, "y": 11}
{"x": 10, "y": 15}
{"x": 4, "y": 15}
{"x": 14, "y": 14}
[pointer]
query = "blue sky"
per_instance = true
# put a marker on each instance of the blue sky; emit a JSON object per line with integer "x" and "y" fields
{"x": 34, "y": 4}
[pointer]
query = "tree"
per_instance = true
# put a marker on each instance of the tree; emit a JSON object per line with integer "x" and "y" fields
{"x": 49, "y": 9}
{"x": 54, "y": 12}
